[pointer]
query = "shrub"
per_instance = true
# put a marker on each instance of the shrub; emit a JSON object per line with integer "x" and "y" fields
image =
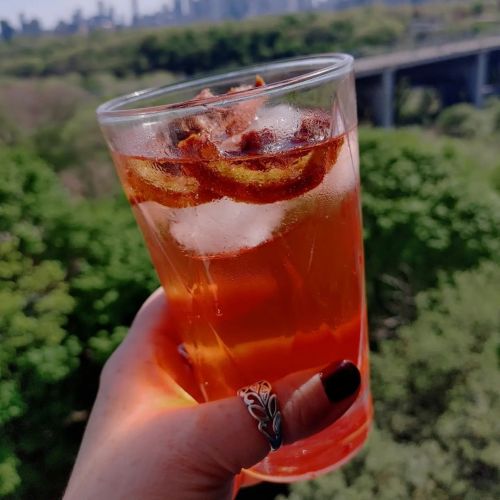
{"x": 462, "y": 120}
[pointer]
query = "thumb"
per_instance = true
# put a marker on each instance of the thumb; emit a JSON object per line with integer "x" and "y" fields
{"x": 228, "y": 438}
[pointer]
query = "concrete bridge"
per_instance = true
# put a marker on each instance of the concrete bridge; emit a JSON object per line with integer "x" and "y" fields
{"x": 464, "y": 71}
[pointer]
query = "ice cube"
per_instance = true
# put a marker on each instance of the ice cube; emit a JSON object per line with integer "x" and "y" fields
{"x": 344, "y": 175}
{"x": 224, "y": 226}
{"x": 283, "y": 120}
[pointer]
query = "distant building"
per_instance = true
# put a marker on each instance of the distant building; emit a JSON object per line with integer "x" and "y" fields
{"x": 29, "y": 28}
{"x": 103, "y": 20}
{"x": 6, "y": 30}
{"x": 135, "y": 13}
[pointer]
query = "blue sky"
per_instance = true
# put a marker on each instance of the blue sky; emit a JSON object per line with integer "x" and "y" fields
{"x": 49, "y": 11}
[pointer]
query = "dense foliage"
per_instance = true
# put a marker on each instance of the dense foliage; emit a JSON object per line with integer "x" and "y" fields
{"x": 205, "y": 48}
{"x": 73, "y": 272}
{"x": 69, "y": 273}
{"x": 421, "y": 216}
{"x": 201, "y": 48}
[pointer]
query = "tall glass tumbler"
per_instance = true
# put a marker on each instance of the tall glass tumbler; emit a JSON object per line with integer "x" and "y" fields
{"x": 246, "y": 188}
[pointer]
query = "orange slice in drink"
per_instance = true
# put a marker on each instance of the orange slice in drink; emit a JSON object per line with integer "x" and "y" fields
{"x": 164, "y": 182}
{"x": 263, "y": 179}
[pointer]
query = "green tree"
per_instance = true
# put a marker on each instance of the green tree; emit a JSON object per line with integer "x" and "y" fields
{"x": 71, "y": 277}
{"x": 462, "y": 120}
{"x": 421, "y": 215}
{"x": 477, "y": 8}
{"x": 379, "y": 30}
{"x": 36, "y": 351}
{"x": 418, "y": 105}
{"x": 9, "y": 133}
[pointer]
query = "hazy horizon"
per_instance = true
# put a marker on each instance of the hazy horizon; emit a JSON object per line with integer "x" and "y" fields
{"x": 49, "y": 12}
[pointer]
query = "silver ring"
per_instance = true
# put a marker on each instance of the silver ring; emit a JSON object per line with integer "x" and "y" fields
{"x": 262, "y": 404}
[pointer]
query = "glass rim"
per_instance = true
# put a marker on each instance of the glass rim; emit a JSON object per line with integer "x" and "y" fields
{"x": 322, "y": 67}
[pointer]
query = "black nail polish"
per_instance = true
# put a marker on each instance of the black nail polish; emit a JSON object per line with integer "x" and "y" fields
{"x": 340, "y": 380}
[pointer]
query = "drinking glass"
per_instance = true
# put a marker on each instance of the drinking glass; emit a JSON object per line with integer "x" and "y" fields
{"x": 246, "y": 188}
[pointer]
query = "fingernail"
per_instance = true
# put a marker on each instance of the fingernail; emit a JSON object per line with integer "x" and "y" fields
{"x": 340, "y": 380}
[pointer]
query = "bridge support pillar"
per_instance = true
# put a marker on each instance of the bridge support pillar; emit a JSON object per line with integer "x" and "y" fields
{"x": 479, "y": 77}
{"x": 384, "y": 99}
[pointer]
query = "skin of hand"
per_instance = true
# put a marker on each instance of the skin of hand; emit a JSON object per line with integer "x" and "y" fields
{"x": 147, "y": 438}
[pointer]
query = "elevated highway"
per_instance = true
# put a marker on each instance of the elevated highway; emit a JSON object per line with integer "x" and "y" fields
{"x": 467, "y": 71}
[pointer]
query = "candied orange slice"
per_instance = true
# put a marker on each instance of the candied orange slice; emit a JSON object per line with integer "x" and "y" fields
{"x": 164, "y": 182}
{"x": 270, "y": 178}
{"x": 198, "y": 145}
{"x": 256, "y": 140}
{"x": 315, "y": 127}
{"x": 221, "y": 121}
{"x": 259, "y": 81}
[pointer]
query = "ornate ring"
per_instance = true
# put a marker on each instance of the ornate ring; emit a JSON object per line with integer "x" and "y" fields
{"x": 262, "y": 404}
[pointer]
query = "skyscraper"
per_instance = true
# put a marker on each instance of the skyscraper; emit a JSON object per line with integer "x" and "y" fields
{"x": 100, "y": 9}
{"x": 135, "y": 12}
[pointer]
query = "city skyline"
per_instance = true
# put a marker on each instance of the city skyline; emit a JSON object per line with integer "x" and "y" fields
{"x": 119, "y": 14}
{"x": 49, "y": 13}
